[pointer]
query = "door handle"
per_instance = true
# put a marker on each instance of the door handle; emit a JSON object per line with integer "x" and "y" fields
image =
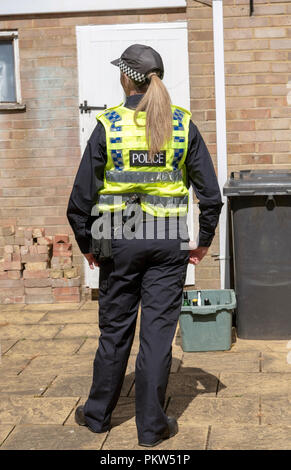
{"x": 85, "y": 108}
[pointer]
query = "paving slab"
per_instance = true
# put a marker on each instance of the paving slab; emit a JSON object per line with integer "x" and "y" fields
{"x": 123, "y": 412}
{"x": 242, "y": 345}
{"x": 6, "y": 344}
{"x": 124, "y": 437}
{"x": 223, "y": 361}
{"x": 189, "y": 384}
{"x": 89, "y": 346}
{"x": 78, "y": 330}
{"x": 90, "y": 305}
{"x": 238, "y": 384}
{"x": 53, "y": 437}
{"x": 202, "y": 410}
{"x": 52, "y": 307}
{"x": 79, "y": 385}
{"x": 24, "y": 385}
{"x": 12, "y": 366}
{"x": 275, "y": 362}
{"x": 42, "y": 347}
{"x": 276, "y": 411}
{"x": 13, "y": 317}
{"x": 28, "y": 331}
{"x": 248, "y": 437}
{"x": 5, "y": 429}
{"x": 12, "y": 307}
{"x": 75, "y": 364}
{"x": 32, "y": 410}
{"x": 68, "y": 316}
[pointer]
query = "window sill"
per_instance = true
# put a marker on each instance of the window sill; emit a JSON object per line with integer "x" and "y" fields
{"x": 12, "y": 107}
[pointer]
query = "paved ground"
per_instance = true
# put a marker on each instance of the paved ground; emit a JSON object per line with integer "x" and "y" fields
{"x": 237, "y": 399}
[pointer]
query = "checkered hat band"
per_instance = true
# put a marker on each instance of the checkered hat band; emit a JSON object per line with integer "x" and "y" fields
{"x": 136, "y": 76}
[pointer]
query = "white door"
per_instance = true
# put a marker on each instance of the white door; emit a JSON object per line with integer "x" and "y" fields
{"x": 99, "y": 83}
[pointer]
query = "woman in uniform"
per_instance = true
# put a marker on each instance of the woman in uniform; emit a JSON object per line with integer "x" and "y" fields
{"x": 137, "y": 167}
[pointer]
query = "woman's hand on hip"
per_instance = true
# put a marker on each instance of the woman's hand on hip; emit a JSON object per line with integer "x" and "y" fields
{"x": 197, "y": 253}
{"x": 91, "y": 260}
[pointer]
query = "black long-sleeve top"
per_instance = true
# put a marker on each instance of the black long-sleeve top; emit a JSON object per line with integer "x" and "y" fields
{"x": 90, "y": 177}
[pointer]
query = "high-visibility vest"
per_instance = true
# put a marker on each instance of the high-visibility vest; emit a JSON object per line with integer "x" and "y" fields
{"x": 160, "y": 185}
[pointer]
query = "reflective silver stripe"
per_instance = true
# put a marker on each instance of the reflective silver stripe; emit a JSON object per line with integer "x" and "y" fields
{"x": 109, "y": 199}
{"x": 143, "y": 176}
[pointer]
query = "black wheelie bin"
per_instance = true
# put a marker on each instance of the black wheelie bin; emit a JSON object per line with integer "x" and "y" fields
{"x": 260, "y": 207}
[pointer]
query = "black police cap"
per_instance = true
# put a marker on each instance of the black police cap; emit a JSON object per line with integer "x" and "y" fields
{"x": 140, "y": 59}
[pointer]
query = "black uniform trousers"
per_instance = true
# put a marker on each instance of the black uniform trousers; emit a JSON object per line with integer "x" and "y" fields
{"x": 150, "y": 271}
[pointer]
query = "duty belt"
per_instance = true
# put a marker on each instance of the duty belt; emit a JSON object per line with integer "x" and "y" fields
{"x": 137, "y": 198}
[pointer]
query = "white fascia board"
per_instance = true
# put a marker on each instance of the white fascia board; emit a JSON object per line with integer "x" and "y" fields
{"x": 28, "y": 7}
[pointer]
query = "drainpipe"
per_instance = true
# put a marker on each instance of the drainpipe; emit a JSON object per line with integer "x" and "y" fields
{"x": 217, "y": 11}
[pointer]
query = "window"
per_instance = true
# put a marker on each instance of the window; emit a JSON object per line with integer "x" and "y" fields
{"x": 9, "y": 70}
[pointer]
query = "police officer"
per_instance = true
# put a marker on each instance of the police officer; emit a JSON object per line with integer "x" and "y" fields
{"x": 144, "y": 154}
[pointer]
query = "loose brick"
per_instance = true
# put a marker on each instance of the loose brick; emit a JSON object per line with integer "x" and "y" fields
{"x": 19, "y": 232}
{"x": 36, "y": 266}
{"x": 38, "y": 232}
{"x": 62, "y": 253}
{"x": 34, "y": 258}
{"x": 11, "y": 283}
{"x": 46, "y": 282}
{"x": 24, "y": 250}
{"x": 38, "y": 290}
{"x": 20, "y": 299}
{"x": 16, "y": 249}
{"x": 56, "y": 273}
{"x": 61, "y": 238}
{"x": 7, "y": 256}
{"x": 28, "y": 233}
{"x": 59, "y": 248}
{"x": 67, "y": 298}
{"x": 70, "y": 273}
{"x": 39, "y": 299}
{"x": 58, "y": 291}
{"x": 28, "y": 242}
{"x": 11, "y": 291}
{"x": 44, "y": 241}
{"x": 60, "y": 262}
{"x": 16, "y": 257}
{"x": 42, "y": 249}
{"x": 12, "y": 266}
{"x": 36, "y": 274}
{"x": 14, "y": 274}
{"x": 75, "y": 282}
{"x": 33, "y": 250}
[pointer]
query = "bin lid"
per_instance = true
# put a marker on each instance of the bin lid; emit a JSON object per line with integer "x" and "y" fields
{"x": 257, "y": 182}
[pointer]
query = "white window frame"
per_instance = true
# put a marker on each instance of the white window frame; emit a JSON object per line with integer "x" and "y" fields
{"x": 13, "y": 35}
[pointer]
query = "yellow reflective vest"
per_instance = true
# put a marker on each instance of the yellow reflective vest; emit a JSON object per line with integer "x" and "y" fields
{"x": 161, "y": 184}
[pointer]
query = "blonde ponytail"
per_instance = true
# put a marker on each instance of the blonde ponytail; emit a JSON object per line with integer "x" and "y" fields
{"x": 159, "y": 121}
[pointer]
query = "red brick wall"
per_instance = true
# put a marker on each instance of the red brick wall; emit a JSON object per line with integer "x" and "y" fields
{"x": 258, "y": 68}
{"x": 40, "y": 148}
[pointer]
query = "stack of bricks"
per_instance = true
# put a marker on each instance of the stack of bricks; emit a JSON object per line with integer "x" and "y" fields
{"x": 37, "y": 268}
{"x": 11, "y": 282}
{"x": 64, "y": 277}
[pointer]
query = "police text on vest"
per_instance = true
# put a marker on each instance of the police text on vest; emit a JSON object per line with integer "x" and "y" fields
{"x": 141, "y": 158}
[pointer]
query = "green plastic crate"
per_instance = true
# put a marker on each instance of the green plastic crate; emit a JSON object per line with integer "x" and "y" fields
{"x": 208, "y": 327}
